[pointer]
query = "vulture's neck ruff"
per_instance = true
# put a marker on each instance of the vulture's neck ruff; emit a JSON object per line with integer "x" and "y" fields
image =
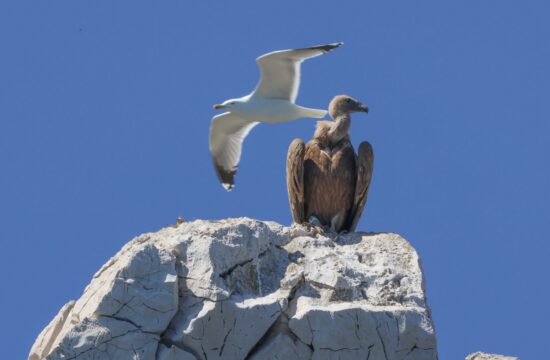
{"x": 339, "y": 129}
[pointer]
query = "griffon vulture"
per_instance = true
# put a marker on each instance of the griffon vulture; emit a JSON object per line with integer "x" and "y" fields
{"x": 325, "y": 178}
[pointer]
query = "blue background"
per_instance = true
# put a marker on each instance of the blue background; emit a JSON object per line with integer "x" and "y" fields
{"x": 104, "y": 115}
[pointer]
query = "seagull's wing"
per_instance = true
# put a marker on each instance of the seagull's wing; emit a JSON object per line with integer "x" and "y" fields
{"x": 280, "y": 71}
{"x": 227, "y": 132}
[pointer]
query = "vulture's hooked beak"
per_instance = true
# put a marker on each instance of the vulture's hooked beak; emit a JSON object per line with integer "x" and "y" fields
{"x": 219, "y": 107}
{"x": 364, "y": 108}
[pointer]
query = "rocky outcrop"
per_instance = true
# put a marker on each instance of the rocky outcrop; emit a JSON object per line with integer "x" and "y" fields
{"x": 245, "y": 289}
{"x": 485, "y": 356}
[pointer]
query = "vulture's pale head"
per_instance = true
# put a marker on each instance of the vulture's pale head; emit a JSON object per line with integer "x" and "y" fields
{"x": 344, "y": 104}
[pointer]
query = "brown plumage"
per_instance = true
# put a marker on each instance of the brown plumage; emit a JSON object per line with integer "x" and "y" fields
{"x": 325, "y": 178}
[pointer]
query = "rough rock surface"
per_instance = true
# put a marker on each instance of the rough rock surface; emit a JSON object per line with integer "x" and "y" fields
{"x": 485, "y": 356}
{"x": 246, "y": 289}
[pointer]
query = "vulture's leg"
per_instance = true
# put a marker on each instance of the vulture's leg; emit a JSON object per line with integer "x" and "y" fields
{"x": 338, "y": 221}
{"x": 364, "y": 166}
{"x": 295, "y": 180}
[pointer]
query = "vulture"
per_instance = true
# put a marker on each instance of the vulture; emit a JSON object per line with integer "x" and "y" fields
{"x": 326, "y": 179}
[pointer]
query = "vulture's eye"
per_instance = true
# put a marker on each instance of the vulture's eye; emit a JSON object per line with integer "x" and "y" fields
{"x": 348, "y": 100}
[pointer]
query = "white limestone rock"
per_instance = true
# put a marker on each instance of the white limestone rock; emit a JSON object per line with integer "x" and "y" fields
{"x": 245, "y": 289}
{"x": 47, "y": 337}
{"x": 173, "y": 353}
{"x": 484, "y": 356}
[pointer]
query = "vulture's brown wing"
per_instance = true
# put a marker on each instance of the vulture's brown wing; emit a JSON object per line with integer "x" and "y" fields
{"x": 295, "y": 179}
{"x": 365, "y": 162}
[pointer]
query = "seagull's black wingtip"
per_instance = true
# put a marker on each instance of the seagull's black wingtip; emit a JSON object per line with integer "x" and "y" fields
{"x": 228, "y": 187}
{"x": 328, "y": 47}
{"x": 227, "y": 177}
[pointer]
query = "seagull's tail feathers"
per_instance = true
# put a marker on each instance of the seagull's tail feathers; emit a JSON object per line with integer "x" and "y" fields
{"x": 313, "y": 113}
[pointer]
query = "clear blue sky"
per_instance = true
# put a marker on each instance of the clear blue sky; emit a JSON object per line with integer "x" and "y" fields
{"x": 104, "y": 115}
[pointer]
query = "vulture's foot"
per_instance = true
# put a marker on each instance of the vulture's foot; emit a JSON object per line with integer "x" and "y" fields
{"x": 314, "y": 225}
{"x": 340, "y": 235}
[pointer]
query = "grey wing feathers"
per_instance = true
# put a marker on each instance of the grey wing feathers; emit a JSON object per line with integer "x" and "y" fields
{"x": 227, "y": 132}
{"x": 295, "y": 180}
{"x": 280, "y": 71}
{"x": 365, "y": 163}
{"x": 300, "y": 54}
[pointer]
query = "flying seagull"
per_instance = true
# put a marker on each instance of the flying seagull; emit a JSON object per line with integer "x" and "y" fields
{"x": 325, "y": 178}
{"x": 271, "y": 102}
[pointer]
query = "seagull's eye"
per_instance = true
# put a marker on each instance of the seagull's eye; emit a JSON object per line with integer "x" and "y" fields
{"x": 233, "y": 103}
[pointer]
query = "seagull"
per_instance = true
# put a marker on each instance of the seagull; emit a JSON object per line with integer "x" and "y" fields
{"x": 272, "y": 101}
{"x": 326, "y": 180}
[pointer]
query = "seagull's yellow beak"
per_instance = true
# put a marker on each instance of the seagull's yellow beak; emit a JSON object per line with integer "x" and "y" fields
{"x": 219, "y": 107}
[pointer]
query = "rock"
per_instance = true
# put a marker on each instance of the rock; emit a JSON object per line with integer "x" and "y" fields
{"x": 485, "y": 356}
{"x": 173, "y": 353}
{"x": 47, "y": 337}
{"x": 245, "y": 289}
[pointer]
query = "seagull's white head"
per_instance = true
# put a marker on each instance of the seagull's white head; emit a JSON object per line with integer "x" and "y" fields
{"x": 231, "y": 104}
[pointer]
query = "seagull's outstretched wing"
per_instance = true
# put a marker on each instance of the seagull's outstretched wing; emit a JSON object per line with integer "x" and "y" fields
{"x": 280, "y": 71}
{"x": 227, "y": 132}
